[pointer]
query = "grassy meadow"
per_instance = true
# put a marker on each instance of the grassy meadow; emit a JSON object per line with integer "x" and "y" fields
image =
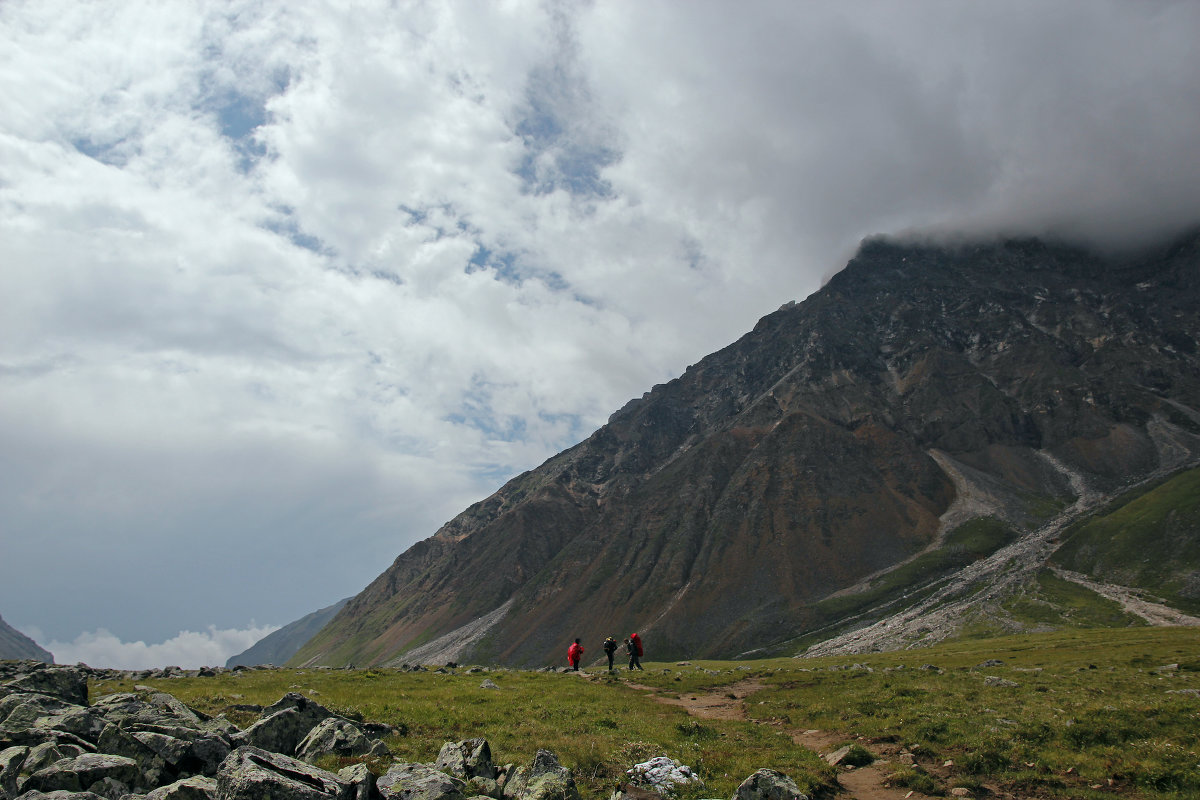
{"x": 1061, "y": 713}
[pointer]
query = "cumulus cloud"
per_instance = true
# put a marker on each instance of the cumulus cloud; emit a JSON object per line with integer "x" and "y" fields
{"x": 187, "y": 649}
{"x": 289, "y": 288}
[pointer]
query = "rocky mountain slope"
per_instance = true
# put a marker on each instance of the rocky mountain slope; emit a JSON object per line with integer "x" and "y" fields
{"x": 16, "y": 646}
{"x": 279, "y": 646}
{"x": 930, "y": 406}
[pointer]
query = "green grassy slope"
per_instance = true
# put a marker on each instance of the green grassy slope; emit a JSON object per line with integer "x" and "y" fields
{"x": 1151, "y": 541}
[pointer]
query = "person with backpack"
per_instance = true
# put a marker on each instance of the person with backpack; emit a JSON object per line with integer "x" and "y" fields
{"x": 610, "y": 647}
{"x": 634, "y": 651}
{"x": 574, "y": 654}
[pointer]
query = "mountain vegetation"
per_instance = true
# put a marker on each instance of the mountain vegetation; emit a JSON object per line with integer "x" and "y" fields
{"x": 859, "y": 472}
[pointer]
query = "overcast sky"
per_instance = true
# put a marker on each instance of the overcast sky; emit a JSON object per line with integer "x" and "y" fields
{"x": 284, "y": 287}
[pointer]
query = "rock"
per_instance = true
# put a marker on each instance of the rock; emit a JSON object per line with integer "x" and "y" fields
{"x": 769, "y": 784}
{"x": 12, "y": 759}
{"x": 961, "y": 791}
{"x": 81, "y": 773}
{"x": 283, "y": 725}
{"x": 361, "y": 780}
{"x": 467, "y": 759}
{"x": 628, "y": 791}
{"x": 419, "y": 782}
{"x": 663, "y": 775}
{"x": 991, "y": 662}
{"x": 992, "y": 680}
{"x": 250, "y": 773}
{"x": 194, "y": 788}
{"x": 60, "y": 794}
{"x": 543, "y": 779}
{"x": 66, "y": 683}
{"x": 488, "y": 683}
{"x": 337, "y": 736}
{"x": 154, "y": 768}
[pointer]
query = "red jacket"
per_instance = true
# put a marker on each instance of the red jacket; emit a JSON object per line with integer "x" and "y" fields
{"x": 637, "y": 644}
{"x": 574, "y": 652}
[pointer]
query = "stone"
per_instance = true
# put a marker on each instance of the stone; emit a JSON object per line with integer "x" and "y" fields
{"x": 992, "y": 680}
{"x": 251, "y": 773}
{"x": 468, "y": 759}
{"x": 337, "y": 736}
{"x": 12, "y": 759}
{"x": 663, "y": 775}
{"x": 60, "y": 794}
{"x": 543, "y": 779}
{"x": 196, "y": 787}
{"x": 488, "y": 683}
{"x": 66, "y": 683}
{"x": 154, "y": 768}
{"x": 769, "y": 784}
{"x": 419, "y": 782}
{"x": 82, "y": 772}
{"x": 283, "y": 725}
{"x": 361, "y": 780}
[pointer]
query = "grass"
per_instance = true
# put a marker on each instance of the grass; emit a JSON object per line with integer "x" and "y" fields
{"x": 1061, "y": 603}
{"x": 1089, "y": 706}
{"x": 1147, "y": 539}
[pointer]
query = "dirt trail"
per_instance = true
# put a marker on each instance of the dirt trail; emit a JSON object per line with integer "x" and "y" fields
{"x": 863, "y": 783}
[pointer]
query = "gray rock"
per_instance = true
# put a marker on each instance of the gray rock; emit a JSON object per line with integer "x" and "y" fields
{"x": 79, "y": 774}
{"x": 250, "y": 773}
{"x": 194, "y": 788}
{"x": 12, "y": 759}
{"x": 543, "y": 779}
{"x": 283, "y": 725}
{"x": 361, "y": 780}
{"x": 154, "y": 768}
{"x": 769, "y": 784}
{"x": 65, "y": 683}
{"x": 467, "y": 759}
{"x": 110, "y": 789}
{"x": 337, "y": 736}
{"x": 992, "y": 680}
{"x": 488, "y": 683}
{"x": 60, "y": 794}
{"x": 419, "y": 782}
{"x": 44, "y": 754}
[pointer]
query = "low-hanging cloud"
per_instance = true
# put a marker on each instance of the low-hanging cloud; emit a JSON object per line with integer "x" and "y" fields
{"x": 289, "y": 288}
{"x": 187, "y": 649}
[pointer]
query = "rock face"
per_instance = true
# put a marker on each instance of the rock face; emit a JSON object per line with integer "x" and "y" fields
{"x": 16, "y": 646}
{"x": 921, "y": 388}
{"x": 281, "y": 645}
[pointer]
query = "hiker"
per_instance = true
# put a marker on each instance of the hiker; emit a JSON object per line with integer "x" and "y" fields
{"x": 574, "y": 653}
{"x": 610, "y": 647}
{"x": 632, "y": 651}
{"x": 637, "y": 647}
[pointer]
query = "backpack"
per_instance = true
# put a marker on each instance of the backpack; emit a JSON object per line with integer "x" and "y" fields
{"x": 637, "y": 644}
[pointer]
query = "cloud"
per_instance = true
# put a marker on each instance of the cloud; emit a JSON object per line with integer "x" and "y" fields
{"x": 187, "y": 649}
{"x": 290, "y": 288}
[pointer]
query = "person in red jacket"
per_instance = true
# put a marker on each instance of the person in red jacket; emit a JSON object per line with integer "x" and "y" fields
{"x": 574, "y": 653}
{"x": 633, "y": 646}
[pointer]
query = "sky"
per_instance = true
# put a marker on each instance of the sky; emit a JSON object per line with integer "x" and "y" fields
{"x": 285, "y": 287}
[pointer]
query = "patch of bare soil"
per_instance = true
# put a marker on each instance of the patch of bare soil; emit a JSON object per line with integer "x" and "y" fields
{"x": 862, "y": 783}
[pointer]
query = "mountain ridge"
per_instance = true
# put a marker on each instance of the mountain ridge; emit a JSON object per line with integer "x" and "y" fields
{"x": 720, "y": 507}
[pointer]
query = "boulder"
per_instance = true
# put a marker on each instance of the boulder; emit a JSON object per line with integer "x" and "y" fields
{"x": 662, "y": 775}
{"x": 284, "y": 725}
{"x": 81, "y": 773}
{"x": 769, "y": 784}
{"x": 468, "y": 759}
{"x": 420, "y": 782}
{"x": 337, "y": 736}
{"x": 154, "y": 768}
{"x": 250, "y": 773}
{"x": 12, "y": 759}
{"x": 543, "y": 779}
{"x": 65, "y": 683}
{"x": 361, "y": 780}
{"x": 61, "y": 794}
{"x": 193, "y": 788}
{"x": 44, "y": 754}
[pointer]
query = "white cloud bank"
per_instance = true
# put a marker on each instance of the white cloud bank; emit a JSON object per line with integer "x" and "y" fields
{"x": 287, "y": 287}
{"x": 188, "y": 649}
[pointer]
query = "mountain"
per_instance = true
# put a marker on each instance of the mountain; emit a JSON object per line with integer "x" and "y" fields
{"x": 279, "y": 646}
{"x": 929, "y": 407}
{"x": 16, "y": 646}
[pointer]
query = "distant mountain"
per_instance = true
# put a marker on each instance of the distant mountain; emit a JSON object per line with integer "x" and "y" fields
{"x": 278, "y": 647}
{"x": 15, "y": 645}
{"x": 927, "y": 409}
